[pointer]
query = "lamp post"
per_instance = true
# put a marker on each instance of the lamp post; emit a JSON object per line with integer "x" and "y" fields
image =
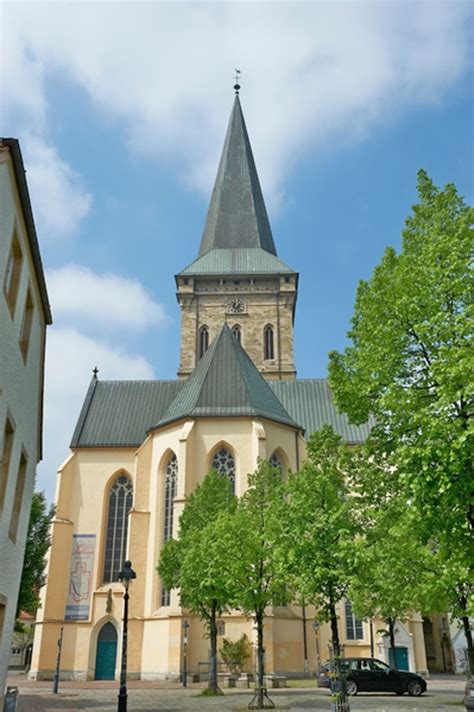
{"x": 315, "y": 627}
{"x": 125, "y": 576}
{"x": 185, "y": 653}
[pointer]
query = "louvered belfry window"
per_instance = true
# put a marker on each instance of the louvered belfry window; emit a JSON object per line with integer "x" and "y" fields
{"x": 120, "y": 503}
{"x": 268, "y": 350}
{"x": 171, "y": 483}
{"x": 223, "y": 461}
{"x": 203, "y": 340}
{"x": 237, "y": 332}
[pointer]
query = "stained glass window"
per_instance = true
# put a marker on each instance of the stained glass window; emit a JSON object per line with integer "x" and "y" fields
{"x": 120, "y": 503}
{"x": 223, "y": 461}
{"x": 276, "y": 463}
{"x": 171, "y": 483}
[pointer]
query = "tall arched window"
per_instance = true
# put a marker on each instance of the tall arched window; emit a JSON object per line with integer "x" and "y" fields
{"x": 276, "y": 463}
{"x": 171, "y": 483}
{"x": 223, "y": 461}
{"x": 268, "y": 351}
{"x": 120, "y": 503}
{"x": 203, "y": 340}
{"x": 237, "y": 332}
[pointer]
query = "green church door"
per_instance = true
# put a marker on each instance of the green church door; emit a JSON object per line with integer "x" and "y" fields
{"x": 106, "y": 653}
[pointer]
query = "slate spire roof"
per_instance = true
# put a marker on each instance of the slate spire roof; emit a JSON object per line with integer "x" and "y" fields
{"x": 226, "y": 383}
{"x": 237, "y": 215}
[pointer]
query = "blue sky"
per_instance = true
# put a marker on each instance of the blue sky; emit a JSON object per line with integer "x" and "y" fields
{"x": 121, "y": 110}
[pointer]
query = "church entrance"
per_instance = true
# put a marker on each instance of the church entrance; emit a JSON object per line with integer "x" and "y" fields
{"x": 106, "y": 653}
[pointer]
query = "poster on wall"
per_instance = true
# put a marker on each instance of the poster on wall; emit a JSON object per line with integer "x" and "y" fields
{"x": 80, "y": 577}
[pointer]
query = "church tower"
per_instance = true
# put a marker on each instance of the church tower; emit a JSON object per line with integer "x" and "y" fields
{"x": 237, "y": 277}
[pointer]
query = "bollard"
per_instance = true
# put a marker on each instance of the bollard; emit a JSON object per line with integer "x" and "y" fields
{"x": 11, "y": 699}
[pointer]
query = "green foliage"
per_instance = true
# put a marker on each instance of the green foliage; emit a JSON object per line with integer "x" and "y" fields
{"x": 38, "y": 541}
{"x": 236, "y": 653}
{"x": 410, "y": 367}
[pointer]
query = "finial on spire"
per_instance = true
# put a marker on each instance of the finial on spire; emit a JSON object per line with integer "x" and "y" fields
{"x": 95, "y": 371}
{"x": 237, "y": 80}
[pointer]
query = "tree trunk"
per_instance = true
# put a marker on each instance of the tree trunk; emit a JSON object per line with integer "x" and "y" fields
{"x": 212, "y": 682}
{"x": 470, "y": 650}
{"x": 260, "y": 658}
{"x": 391, "y": 635}
{"x": 340, "y": 701}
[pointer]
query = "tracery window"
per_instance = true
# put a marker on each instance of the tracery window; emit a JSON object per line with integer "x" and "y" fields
{"x": 354, "y": 627}
{"x": 276, "y": 463}
{"x": 203, "y": 340}
{"x": 224, "y": 462}
{"x": 120, "y": 503}
{"x": 268, "y": 350}
{"x": 236, "y": 331}
{"x": 171, "y": 483}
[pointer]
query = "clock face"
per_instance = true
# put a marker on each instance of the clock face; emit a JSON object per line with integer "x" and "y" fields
{"x": 236, "y": 306}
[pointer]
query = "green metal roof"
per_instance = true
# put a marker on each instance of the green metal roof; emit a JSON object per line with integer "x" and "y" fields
{"x": 120, "y": 413}
{"x": 310, "y": 402}
{"x": 226, "y": 383}
{"x": 237, "y": 215}
{"x": 237, "y": 261}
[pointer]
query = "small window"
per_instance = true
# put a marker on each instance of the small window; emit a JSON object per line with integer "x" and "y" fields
{"x": 220, "y": 627}
{"x": 26, "y": 326}
{"x": 6, "y": 457}
{"x": 236, "y": 331}
{"x": 223, "y": 461}
{"x": 354, "y": 627}
{"x": 268, "y": 350}
{"x": 18, "y": 498}
{"x": 203, "y": 340}
{"x": 276, "y": 463}
{"x": 13, "y": 274}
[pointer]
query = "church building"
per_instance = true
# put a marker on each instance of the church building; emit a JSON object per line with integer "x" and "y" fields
{"x": 140, "y": 448}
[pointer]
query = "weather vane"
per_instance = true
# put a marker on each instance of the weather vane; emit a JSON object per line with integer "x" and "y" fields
{"x": 237, "y": 80}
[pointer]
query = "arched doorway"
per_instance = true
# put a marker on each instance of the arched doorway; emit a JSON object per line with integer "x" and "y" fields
{"x": 106, "y": 653}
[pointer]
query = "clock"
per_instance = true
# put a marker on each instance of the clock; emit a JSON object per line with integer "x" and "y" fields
{"x": 236, "y": 306}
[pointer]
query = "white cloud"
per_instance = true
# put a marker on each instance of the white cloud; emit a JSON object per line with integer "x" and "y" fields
{"x": 313, "y": 74}
{"x": 107, "y": 300}
{"x": 59, "y": 200}
{"x": 70, "y": 358}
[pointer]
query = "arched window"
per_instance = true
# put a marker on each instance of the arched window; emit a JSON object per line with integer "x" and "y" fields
{"x": 237, "y": 332}
{"x": 276, "y": 463}
{"x": 203, "y": 340}
{"x": 120, "y": 502}
{"x": 171, "y": 483}
{"x": 268, "y": 351}
{"x": 223, "y": 461}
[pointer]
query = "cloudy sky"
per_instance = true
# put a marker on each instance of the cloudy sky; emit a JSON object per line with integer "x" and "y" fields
{"x": 121, "y": 110}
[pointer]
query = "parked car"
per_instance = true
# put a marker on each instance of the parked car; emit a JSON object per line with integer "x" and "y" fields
{"x": 372, "y": 675}
{"x": 468, "y": 700}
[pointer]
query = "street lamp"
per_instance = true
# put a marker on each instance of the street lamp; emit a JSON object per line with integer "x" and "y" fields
{"x": 185, "y": 653}
{"x": 315, "y": 627}
{"x": 125, "y": 576}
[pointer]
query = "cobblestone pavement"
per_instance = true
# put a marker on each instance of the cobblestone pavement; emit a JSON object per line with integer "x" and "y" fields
{"x": 444, "y": 695}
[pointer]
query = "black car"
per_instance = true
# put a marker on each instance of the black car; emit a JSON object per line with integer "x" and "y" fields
{"x": 372, "y": 675}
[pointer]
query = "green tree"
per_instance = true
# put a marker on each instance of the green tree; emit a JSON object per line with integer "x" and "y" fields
{"x": 410, "y": 367}
{"x": 38, "y": 541}
{"x": 321, "y": 529}
{"x": 235, "y": 653}
{"x": 253, "y": 535}
{"x": 194, "y": 562}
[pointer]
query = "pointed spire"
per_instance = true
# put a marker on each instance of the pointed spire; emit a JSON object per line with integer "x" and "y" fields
{"x": 237, "y": 215}
{"x": 226, "y": 382}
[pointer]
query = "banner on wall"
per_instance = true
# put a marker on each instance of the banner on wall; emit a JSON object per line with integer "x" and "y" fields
{"x": 80, "y": 577}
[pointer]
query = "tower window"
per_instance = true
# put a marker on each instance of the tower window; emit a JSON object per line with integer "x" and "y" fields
{"x": 236, "y": 331}
{"x": 171, "y": 483}
{"x": 120, "y": 503}
{"x": 223, "y": 461}
{"x": 203, "y": 340}
{"x": 268, "y": 350}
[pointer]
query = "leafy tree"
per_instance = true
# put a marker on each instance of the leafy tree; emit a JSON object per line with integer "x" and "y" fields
{"x": 253, "y": 534}
{"x": 38, "y": 541}
{"x": 410, "y": 366}
{"x": 194, "y": 562}
{"x": 236, "y": 653}
{"x": 321, "y": 529}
